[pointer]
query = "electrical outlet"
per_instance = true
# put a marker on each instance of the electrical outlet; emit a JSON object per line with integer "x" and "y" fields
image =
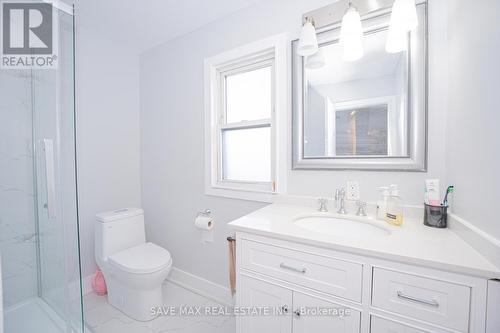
{"x": 352, "y": 190}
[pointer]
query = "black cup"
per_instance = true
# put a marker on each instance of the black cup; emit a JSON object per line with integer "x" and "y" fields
{"x": 435, "y": 216}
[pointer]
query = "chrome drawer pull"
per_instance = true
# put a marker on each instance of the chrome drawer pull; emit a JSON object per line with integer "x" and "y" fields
{"x": 416, "y": 299}
{"x": 290, "y": 268}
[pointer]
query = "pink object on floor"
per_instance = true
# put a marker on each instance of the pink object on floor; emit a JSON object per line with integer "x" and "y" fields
{"x": 99, "y": 284}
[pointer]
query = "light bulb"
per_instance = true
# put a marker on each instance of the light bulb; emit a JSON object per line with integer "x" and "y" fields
{"x": 308, "y": 42}
{"x": 403, "y": 19}
{"x": 409, "y": 14}
{"x": 316, "y": 60}
{"x": 351, "y": 35}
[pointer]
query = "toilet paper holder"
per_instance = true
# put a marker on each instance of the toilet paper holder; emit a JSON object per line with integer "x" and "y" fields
{"x": 207, "y": 212}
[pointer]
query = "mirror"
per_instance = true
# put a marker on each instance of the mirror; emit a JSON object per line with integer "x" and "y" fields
{"x": 365, "y": 114}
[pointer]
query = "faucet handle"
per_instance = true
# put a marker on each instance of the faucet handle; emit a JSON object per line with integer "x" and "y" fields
{"x": 322, "y": 205}
{"x": 361, "y": 208}
{"x": 339, "y": 194}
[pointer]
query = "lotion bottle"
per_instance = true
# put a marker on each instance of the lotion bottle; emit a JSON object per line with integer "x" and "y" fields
{"x": 394, "y": 213}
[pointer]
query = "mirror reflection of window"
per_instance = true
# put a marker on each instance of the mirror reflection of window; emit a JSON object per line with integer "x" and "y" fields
{"x": 359, "y": 108}
{"x": 361, "y": 131}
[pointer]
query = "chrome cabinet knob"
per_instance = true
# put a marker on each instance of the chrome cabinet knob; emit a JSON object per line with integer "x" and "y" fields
{"x": 361, "y": 208}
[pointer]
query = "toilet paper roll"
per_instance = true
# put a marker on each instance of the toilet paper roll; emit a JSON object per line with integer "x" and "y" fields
{"x": 206, "y": 225}
{"x": 204, "y": 222}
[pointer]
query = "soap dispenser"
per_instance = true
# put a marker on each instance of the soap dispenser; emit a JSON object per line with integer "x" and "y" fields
{"x": 394, "y": 214}
{"x": 382, "y": 203}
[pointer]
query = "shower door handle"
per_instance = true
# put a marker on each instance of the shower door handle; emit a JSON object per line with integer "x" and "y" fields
{"x": 50, "y": 178}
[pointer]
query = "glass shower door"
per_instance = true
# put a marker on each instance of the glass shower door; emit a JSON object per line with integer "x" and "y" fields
{"x": 54, "y": 139}
{"x": 39, "y": 232}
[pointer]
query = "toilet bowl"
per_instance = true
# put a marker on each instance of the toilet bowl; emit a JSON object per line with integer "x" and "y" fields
{"x": 134, "y": 269}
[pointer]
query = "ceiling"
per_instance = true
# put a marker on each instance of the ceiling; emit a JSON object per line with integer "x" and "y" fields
{"x": 143, "y": 24}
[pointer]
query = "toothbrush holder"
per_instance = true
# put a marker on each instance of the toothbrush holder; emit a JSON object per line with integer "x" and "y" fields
{"x": 435, "y": 216}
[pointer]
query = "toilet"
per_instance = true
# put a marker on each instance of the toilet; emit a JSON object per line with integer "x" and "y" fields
{"x": 134, "y": 269}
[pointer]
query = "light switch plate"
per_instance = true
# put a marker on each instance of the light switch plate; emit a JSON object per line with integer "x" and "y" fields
{"x": 352, "y": 190}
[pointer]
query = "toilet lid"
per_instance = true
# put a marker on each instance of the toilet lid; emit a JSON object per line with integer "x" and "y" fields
{"x": 144, "y": 258}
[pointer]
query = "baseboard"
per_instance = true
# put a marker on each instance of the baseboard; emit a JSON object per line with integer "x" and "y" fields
{"x": 201, "y": 286}
{"x": 487, "y": 245}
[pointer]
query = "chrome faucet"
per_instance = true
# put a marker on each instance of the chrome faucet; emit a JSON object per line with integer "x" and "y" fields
{"x": 322, "y": 205}
{"x": 340, "y": 199}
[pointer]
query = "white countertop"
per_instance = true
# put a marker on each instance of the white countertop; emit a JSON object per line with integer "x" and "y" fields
{"x": 412, "y": 243}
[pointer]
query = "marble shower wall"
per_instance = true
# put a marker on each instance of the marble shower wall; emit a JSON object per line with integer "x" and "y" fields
{"x": 17, "y": 207}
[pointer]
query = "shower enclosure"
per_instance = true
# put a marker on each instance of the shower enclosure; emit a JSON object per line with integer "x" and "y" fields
{"x": 39, "y": 241}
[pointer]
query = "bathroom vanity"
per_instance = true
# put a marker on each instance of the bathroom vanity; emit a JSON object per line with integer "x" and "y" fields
{"x": 323, "y": 272}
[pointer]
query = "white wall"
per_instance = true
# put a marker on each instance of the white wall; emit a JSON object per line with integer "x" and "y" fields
{"x": 172, "y": 134}
{"x": 108, "y": 148}
{"x": 314, "y": 126}
{"x": 473, "y": 150}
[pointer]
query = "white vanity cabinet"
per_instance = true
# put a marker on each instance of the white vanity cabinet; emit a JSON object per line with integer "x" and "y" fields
{"x": 297, "y": 281}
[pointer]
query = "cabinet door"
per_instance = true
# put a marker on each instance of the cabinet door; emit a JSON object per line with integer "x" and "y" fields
{"x": 260, "y": 295}
{"x": 379, "y": 325}
{"x": 311, "y": 314}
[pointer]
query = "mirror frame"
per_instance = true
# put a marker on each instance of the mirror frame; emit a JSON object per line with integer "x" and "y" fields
{"x": 417, "y": 102}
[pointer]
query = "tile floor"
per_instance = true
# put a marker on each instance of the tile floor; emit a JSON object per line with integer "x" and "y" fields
{"x": 101, "y": 317}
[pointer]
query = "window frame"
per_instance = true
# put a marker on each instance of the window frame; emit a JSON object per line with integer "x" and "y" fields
{"x": 270, "y": 52}
{"x": 254, "y": 63}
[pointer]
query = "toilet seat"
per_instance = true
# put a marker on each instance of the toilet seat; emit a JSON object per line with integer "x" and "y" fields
{"x": 141, "y": 259}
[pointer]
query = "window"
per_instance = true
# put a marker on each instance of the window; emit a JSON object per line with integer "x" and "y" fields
{"x": 246, "y": 124}
{"x": 246, "y": 154}
{"x": 246, "y": 95}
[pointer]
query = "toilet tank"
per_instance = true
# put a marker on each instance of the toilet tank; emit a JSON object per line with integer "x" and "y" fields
{"x": 118, "y": 230}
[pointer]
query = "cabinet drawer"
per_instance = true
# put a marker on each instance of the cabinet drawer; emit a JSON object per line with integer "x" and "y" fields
{"x": 433, "y": 301}
{"x": 326, "y": 274}
{"x": 379, "y": 325}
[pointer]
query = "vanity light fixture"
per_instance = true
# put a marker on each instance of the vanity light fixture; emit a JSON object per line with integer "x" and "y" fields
{"x": 316, "y": 60}
{"x": 308, "y": 42}
{"x": 351, "y": 34}
{"x": 403, "y": 20}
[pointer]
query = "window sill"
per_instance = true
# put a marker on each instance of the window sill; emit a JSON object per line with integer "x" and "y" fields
{"x": 249, "y": 195}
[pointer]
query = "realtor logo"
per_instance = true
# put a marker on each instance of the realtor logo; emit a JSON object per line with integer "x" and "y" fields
{"x": 28, "y": 35}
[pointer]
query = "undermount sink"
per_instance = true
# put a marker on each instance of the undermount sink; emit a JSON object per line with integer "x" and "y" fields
{"x": 343, "y": 227}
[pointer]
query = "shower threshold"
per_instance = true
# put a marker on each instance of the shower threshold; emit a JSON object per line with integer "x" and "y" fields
{"x": 33, "y": 315}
